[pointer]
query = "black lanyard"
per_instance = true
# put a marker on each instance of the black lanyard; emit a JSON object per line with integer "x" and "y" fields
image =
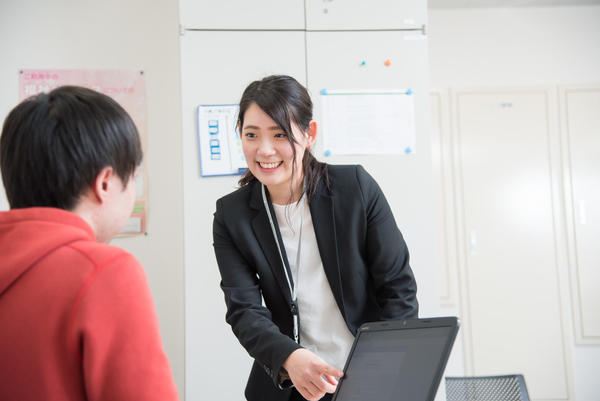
{"x": 294, "y": 304}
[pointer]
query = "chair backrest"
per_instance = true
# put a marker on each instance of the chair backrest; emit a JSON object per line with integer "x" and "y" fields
{"x": 486, "y": 388}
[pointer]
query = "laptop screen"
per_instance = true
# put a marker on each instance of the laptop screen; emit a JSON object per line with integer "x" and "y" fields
{"x": 396, "y": 364}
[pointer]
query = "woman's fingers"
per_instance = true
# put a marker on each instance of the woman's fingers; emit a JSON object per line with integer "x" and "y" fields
{"x": 311, "y": 375}
{"x": 330, "y": 370}
{"x": 331, "y": 379}
{"x": 312, "y": 392}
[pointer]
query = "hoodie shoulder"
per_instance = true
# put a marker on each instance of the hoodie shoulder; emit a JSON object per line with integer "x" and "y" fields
{"x": 29, "y": 236}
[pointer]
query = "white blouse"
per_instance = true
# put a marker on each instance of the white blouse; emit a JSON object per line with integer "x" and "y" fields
{"x": 322, "y": 327}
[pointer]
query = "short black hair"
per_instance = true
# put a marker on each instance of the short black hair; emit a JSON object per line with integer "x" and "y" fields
{"x": 55, "y": 144}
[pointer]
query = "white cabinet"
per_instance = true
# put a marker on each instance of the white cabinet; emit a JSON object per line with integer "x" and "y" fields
{"x": 242, "y": 14}
{"x": 335, "y": 61}
{"x": 362, "y": 15}
{"x": 581, "y": 129}
{"x": 511, "y": 239}
{"x": 216, "y": 67}
{"x": 358, "y": 59}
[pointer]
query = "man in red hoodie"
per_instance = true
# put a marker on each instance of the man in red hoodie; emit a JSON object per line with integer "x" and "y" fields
{"x": 77, "y": 320}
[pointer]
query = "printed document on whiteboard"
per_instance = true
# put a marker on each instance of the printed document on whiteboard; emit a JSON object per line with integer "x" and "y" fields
{"x": 359, "y": 122}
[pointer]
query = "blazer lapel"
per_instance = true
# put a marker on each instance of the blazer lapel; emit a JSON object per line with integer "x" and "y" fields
{"x": 264, "y": 235}
{"x": 323, "y": 218}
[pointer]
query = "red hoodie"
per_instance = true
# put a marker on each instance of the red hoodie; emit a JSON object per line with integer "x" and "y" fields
{"x": 77, "y": 320}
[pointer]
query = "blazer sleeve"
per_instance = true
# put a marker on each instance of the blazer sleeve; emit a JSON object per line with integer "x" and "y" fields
{"x": 250, "y": 321}
{"x": 387, "y": 254}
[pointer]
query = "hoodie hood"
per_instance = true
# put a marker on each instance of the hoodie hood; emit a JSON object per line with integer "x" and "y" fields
{"x": 28, "y": 235}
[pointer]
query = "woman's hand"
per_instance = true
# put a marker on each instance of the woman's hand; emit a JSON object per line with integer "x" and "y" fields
{"x": 311, "y": 376}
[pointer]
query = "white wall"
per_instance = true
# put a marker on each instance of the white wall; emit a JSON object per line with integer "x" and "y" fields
{"x": 522, "y": 46}
{"x": 117, "y": 34}
{"x": 514, "y": 46}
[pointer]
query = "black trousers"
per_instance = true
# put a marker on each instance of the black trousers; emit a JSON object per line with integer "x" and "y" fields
{"x": 297, "y": 397}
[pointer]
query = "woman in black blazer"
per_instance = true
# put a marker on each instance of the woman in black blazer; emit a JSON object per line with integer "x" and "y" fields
{"x": 355, "y": 270}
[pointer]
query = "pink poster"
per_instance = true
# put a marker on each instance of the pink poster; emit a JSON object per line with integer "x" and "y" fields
{"x": 127, "y": 88}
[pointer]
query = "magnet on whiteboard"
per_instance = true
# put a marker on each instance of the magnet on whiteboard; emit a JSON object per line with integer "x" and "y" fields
{"x": 323, "y": 91}
{"x": 363, "y": 63}
{"x": 409, "y": 92}
{"x": 387, "y": 62}
{"x": 408, "y": 150}
{"x": 328, "y": 153}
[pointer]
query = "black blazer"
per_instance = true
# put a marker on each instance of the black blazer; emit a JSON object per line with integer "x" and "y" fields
{"x": 365, "y": 259}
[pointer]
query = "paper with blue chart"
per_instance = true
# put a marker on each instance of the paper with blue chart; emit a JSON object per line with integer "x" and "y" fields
{"x": 368, "y": 122}
{"x": 219, "y": 141}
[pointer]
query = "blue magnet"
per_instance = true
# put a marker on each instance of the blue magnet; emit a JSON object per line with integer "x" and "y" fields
{"x": 363, "y": 63}
{"x": 328, "y": 153}
{"x": 323, "y": 91}
{"x": 408, "y": 150}
{"x": 409, "y": 91}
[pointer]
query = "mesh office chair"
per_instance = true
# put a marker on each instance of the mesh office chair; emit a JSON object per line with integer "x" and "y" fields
{"x": 486, "y": 388}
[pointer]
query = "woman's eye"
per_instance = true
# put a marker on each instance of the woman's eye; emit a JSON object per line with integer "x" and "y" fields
{"x": 250, "y": 135}
{"x": 280, "y": 135}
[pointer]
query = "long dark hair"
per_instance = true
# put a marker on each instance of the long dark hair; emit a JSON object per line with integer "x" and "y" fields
{"x": 286, "y": 101}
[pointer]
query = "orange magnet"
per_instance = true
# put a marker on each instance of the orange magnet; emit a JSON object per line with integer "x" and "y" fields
{"x": 388, "y": 62}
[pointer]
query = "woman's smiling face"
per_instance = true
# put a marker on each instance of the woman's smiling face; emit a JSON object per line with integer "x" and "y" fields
{"x": 270, "y": 156}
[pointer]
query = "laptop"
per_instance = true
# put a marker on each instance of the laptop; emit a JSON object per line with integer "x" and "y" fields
{"x": 401, "y": 360}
